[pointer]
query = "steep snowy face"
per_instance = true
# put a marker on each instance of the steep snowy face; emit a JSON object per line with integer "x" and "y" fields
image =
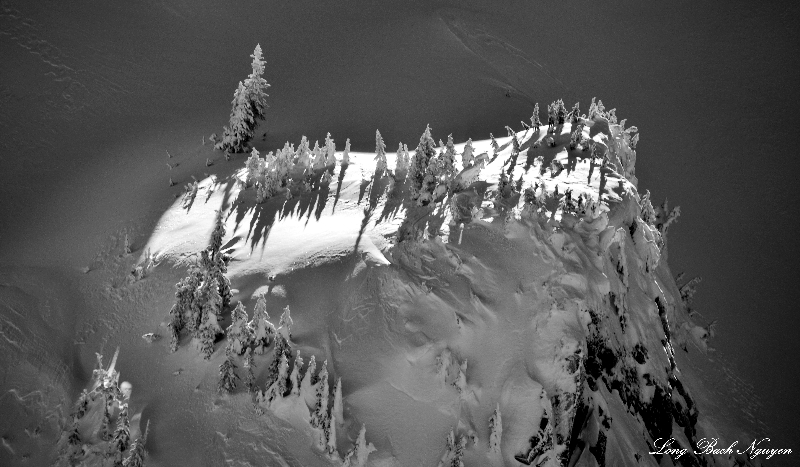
{"x": 519, "y": 311}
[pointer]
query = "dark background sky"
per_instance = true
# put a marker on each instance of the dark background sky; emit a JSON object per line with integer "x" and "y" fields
{"x": 712, "y": 86}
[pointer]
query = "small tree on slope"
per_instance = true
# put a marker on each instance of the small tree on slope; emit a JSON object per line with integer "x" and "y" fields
{"x": 227, "y": 376}
{"x": 496, "y": 427}
{"x": 263, "y": 329}
{"x": 249, "y": 104}
{"x": 357, "y": 456}
{"x": 137, "y": 453}
{"x": 238, "y": 333}
{"x": 380, "y": 155}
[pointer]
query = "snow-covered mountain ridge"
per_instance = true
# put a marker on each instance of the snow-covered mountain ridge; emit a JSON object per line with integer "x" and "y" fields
{"x": 537, "y": 297}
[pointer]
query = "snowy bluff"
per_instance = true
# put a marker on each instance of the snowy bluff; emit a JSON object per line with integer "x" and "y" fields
{"x": 497, "y": 302}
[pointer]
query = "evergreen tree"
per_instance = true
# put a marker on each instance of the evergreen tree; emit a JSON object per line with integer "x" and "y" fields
{"x": 263, "y": 330}
{"x": 137, "y": 453}
{"x": 560, "y": 111}
{"x": 535, "y": 121}
{"x": 357, "y": 456}
{"x": 217, "y": 234}
{"x": 467, "y": 157}
{"x": 400, "y": 167}
{"x": 426, "y": 150}
{"x": 294, "y": 377}
{"x": 209, "y": 327}
{"x": 319, "y": 156}
{"x": 496, "y": 432}
{"x": 121, "y": 439}
{"x": 330, "y": 437}
{"x": 227, "y": 376}
{"x": 249, "y": 104}
{"x": 283, "y": 376}
{"x": 285, "y": 324}
{"x": 249, "y": 365}
{"x": 380, "y": 155}
{"x": 238, "y": 333}
{"x": 346, "y": 153}
{"x": 449, "y": 159}
{"x": 338, "y": 409}
{"x": 254, "y": 165}
{"x": 306, "y": 385}
{"x": 281, "y": 350}
{"x": 575, "y": 114}
{"x": 301, "y": 155}
{"x": 319, "y": 417}
{"x": 330, "y": 151}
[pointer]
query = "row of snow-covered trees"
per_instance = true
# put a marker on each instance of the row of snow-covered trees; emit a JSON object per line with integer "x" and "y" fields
{"x": 99, "y": 432}
{"x": 287, "y": 382}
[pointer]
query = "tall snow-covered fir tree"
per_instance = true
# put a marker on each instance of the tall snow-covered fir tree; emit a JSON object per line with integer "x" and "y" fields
{"x": 346, "y": 153}
{"x": 307, "y": 384}
{"x": 467, "y": 157}
{"x": 426, "y": 151}
{"x": 249, "y": 364}
{"x": 295, "y": 377}
{"x": 338, "y": 409}
{"x": 282, "y": 349}
{"x": 263, "y": 329}
{"x": 227, "y": 376}
{"x": 536, "y": 122}
{"x": 136, "y": 453}
{"x": 319, "y": 417}
{"x": 358, "y": 454}
{"x": 380, "y": 155}
{"x": 217, "y": 234}
{"x": 239, "y": 334}
{"x": 496, "y": 432}
{"x": 249, "y": 104}
{"x": 285, "y": 324}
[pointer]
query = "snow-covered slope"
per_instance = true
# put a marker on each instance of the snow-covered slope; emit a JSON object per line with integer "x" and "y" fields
{"x": 557, "y": 312}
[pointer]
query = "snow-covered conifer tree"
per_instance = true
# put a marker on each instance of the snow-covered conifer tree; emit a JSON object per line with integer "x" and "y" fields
{"x": 279, "y": 382}
{"x": 227, "y": 376}
{"x": 330, "y": 151}
{"x": 285, "y": 324}
{"x": 575, "y": 114}
{"x": 449, "y": 160}
{"x": 535, "y": 121}
{"x": 263, "y": 330}
{"x": 400, "y": 168}
{"x": 121, "y": 439}
{"x": 495, "y": 146}
{"x": 239, "y": 334}
{"x": 301, "y": 155}
{"x": 254, "y": 165}
{"x": 467, "y": 156}
{"x": 320, "y": 415}
{"x": 137, "y": 453}
{"x": 307, "y": 384}
{"x": 249, "y": 364}
{"x": 338, "y": 409}
{"x": 380, "y": 155}
{"x": 496, "y": 434}
{"x": 249, "y": 104}
{"x": 217, "y": 234}
{"x": 426, "y": 150}
{"x": 346, "y": 153}
{"x": 319, "y": 156}
{"x": 357, "y": 456}
{"x": 294, "y": 377}
{"x": 330, "y": 437}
